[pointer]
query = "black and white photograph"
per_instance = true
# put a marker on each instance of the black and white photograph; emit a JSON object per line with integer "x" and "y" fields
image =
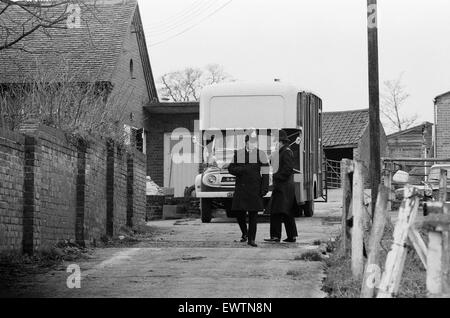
{"x": 224, "y": 156}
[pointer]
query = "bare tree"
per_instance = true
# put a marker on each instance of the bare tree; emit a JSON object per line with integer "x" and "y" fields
{"x": 55, "y": 98}
{"x": 20, "y": 19}
{"x": 392, "y": 100}
{"x": 185, "y": 85}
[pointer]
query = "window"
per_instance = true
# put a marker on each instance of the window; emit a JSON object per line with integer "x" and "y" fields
{"x": 132, "y": 69}
{"x": 135, "y": 138}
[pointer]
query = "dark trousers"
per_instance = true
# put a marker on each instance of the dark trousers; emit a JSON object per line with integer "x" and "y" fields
{"x": 252, "y": 224}
{"x": 289, "y": 224}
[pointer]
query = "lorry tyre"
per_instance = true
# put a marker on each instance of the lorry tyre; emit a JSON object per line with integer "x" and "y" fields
{"x": 205, "y": 210}
{"x": 300, "y": 211}
{"x": 308, "y": 209}
{"x": 231, "y": 214}
{"x": 228, "y": 204}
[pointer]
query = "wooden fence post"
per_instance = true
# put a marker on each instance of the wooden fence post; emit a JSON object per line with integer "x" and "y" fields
{"x": 395, "y": 261}
{"x": 346, "y": 169}
{"x": 446, "y": 269}
{"x": 359, "y": 214}
{"x": 388, "y": 183}
{"x": 435, "y": 262}
{"x": 372, "y": 272}
{"x": 438, "y": 225}
{"x": 443, "y": 186}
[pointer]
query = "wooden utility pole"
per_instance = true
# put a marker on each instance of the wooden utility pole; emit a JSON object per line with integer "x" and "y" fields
{"x": 374, "y": 100}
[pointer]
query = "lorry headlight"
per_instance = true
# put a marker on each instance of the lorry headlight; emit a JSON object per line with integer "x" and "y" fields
{"x": 212, "y": 179}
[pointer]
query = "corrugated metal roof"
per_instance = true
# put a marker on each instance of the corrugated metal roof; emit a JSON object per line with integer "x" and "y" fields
{"x": 344, "y": 128}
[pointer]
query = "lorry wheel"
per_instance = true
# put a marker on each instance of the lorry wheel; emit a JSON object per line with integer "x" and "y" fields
{"x": 308, "y": 209}
{"x": 300, "y": 211}
{"x": 205, "y": 210}
{"x": 230, "y": 214}
{"x": 228, "y": 204}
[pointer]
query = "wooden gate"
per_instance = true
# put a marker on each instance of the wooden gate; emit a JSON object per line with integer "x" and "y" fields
{"x": 333, "y": 174}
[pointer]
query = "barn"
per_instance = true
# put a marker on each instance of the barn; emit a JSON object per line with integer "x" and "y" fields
{"x": 415, "y": 142}
{"x": 346, "y": 136}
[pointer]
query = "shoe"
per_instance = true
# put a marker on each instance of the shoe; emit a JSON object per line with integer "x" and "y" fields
{"x": 244, "y": 239}
{"x": 252, "y": 243}
{"x": 290, "y": 240}
{"x": 274, "y": 240}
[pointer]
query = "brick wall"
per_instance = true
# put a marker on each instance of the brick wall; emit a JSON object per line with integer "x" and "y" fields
{"x": 120, "y": 188}
{"x": 155, "y": 205}
{"x": 54, "y": 188}
{"x": 95, "y": 192}
{"x": 57, "y": 182}
{"x": 442, "y": 136}
{"x": 12, "y": 160}
{"x": 139, "y": 188}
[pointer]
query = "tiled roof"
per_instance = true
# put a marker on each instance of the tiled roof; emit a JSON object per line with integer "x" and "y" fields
{"x": 89, "y": 53}
{"x": 344, "y": 128}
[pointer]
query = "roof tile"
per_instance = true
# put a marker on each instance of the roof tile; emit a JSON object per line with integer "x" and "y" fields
{"x": 88, "y": 52}
{"x": 344, "y": 128}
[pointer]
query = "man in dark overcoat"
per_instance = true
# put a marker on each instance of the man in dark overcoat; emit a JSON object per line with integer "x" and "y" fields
{"x": 252, "y": 184}
{"x": 283, "y": 207}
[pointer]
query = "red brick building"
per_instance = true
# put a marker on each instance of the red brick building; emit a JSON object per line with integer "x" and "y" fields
{"x": 442, "y": 125}
{"x": 108, "y": 48}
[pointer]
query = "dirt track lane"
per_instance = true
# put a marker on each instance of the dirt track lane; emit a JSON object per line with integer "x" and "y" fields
{"x": 190, "y": 260}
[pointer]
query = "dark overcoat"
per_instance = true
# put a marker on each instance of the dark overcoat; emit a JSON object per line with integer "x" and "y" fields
{"x": 283, "y": 196}
{"x": 252, "y": 183}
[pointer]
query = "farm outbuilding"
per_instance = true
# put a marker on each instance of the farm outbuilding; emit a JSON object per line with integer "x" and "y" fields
{"x": 415, "y": 142}
{"x": 346, "y": 136}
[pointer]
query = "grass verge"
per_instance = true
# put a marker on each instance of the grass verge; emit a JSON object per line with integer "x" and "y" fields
{"x": 340, "y": 284}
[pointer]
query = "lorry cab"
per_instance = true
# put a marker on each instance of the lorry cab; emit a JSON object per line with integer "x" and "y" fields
{"x": 229, "y": 111}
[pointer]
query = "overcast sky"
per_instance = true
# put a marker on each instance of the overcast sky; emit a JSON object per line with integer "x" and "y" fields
{"x": 318, "y": 45}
